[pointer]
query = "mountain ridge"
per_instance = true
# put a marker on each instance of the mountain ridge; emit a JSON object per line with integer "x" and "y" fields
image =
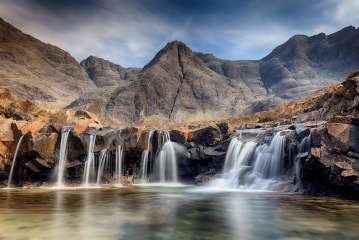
{"x": 177, "y": 84}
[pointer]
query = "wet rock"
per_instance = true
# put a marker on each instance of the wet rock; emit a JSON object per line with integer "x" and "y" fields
{"x": 177, "y": 136}
{"x": 73, "y": 164}
{"x": 44, "y": 145}
{"x": 75, "y": 148}
{"x": 223, "y": 127}
{"x": 302, "y": 132}
{"x": 130, "y": 137}
{"x": 205, "y": 178}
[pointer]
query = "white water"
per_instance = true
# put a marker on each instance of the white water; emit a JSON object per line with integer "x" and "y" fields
{"x": 146, "y": 158}
{"x": 102, "y": 166}
{"x": 89, "y": 170}
{"x": 119, "y": 160}
{"x": 60, "y": 182}
{"x": 249, "y": 165}
{"x": 14, "y": 161}
{"x": 166, "y": 161}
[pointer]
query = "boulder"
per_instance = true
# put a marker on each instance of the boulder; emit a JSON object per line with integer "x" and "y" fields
{"x": 208, "y": 136}
{"x": 343, "y": 137}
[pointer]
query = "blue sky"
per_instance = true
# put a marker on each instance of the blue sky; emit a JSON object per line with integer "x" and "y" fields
{"x": 130, "y": 32}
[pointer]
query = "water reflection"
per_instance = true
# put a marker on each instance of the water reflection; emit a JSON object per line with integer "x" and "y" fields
{"x": 172, "y": 213}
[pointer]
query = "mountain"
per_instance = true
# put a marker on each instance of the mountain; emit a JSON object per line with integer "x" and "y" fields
{"x": 177, "y": 84}
{"x": 38, "y": 71}
{"x": 105, "y": 73}
{"x": 297, "y": 68}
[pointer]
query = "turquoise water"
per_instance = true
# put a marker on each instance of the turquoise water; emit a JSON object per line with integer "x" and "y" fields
{"x": 172, "y": 213}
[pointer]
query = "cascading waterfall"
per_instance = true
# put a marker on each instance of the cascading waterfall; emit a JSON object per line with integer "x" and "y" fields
{"x": 166, "y": 161}
{"x": 60, "y": 182}
{"x": 102, "y": 166}
{"x": 251, "y": 165}
{"x": 119, "y": 159}
{"x": 146, "y": 158}
{"x": 89, "y": 170}
{"x": 14, "y": 161}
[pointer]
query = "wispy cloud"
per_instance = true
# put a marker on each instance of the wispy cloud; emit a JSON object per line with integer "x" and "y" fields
{"x": 131, "y": 32}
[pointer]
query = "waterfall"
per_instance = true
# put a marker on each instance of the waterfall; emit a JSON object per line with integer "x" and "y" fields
{"x": 146, "y": 158}
{"x": 118, "y": 170}
{"x": 166, "y": 161}
{"x": 65, "y": 131}
{"x": 253, "y": 164}
{"x": 14, "y": 161}
{"x": 102, "y": 166}
{"x": 269, "y": 159}
{"x": 90, "y": 161}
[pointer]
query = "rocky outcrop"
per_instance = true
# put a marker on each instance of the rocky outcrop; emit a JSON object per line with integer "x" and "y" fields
{"x": 331, "y": 167}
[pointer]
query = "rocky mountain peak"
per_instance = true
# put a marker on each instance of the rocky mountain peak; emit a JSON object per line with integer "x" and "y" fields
{"x": 172, "y": 53}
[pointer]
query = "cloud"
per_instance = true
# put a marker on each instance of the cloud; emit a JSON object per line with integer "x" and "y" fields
{"x": 131, "y": 32}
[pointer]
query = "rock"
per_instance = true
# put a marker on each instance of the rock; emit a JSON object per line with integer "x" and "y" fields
{"x": 205, "y": 178}
{"x": 33, "y": 167}
{"x": 130, "y": 136}
{"x": 177, "y": 136}
{"x": 343, "y": 137}
{"x": 73, "y": 164}
{"x": 223, "y": 127}
{"x": 48, "y": 129}
{"x": 142, "y": 142}
{"x": 347, "y": 119}
{"x": 21, "y": 116}
{"x": 44, "y": 145}
{"x": 208, "y": 136}
{"x": 353, "y": 155}
{"x": 317, "y": 134}
{"x": 302, "y": 132}
{"x": 82, "y": 114}
{"x": 315, "y": 152}
{"x": 292, "y": 127}
{"x": 76, "y": 148}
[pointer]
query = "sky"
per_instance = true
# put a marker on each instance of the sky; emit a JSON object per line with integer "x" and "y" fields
{"x": 131, "y": 32}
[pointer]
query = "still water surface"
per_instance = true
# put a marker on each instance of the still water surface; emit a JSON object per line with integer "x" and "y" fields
{"x": 172, "y": 213}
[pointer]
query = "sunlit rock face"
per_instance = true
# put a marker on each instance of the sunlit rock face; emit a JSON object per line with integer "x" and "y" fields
{"x": 332, "y": 165}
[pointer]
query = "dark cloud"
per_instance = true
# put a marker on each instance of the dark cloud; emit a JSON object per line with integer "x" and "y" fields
{"x": 130, "y": 32}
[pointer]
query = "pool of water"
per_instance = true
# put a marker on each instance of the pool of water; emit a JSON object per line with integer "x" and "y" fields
{"x": 157, "y": 212}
